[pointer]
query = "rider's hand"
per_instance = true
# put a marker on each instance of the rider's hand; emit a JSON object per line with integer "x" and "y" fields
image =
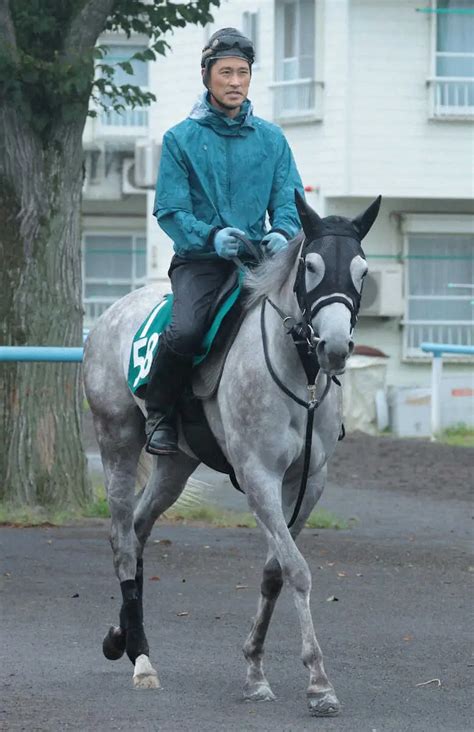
{"x": 274, "y": 242}
{"x": 225, "y": 242}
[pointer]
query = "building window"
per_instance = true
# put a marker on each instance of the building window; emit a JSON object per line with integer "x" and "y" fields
{"x": 452, "y": 85}
{"x": 114, "y": 264}
{"x": 130, "y": 118}
{"x": 250, "y": 29}
{"x": 296, "y": 93}
{"x": 439, "y": 294}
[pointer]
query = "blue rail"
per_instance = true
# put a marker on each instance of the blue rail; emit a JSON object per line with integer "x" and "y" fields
{"x": 437, "y": 349}
{"x": 41, "y": 353}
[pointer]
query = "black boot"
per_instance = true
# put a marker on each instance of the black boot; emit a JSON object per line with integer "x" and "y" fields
{"x": 161, "y": 432}
{"x": 167, "y": 377}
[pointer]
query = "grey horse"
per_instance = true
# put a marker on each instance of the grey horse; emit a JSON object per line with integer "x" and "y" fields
{"x": 317, "y": 281}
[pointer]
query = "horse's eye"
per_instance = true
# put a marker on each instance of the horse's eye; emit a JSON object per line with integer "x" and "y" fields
{"x": 310, "y": 267}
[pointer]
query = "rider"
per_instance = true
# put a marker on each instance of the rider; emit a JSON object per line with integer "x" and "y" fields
{"x": 221, "y": 171}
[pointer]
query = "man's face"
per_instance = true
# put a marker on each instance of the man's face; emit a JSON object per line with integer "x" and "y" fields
{"x": 229, "y": 83}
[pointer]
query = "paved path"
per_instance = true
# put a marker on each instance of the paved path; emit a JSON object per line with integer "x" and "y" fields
{"x": 402, "y": 576}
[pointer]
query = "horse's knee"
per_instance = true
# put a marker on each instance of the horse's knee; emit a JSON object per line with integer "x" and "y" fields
{"x": 299, "y": 577}
{"x": 272, "y": 579}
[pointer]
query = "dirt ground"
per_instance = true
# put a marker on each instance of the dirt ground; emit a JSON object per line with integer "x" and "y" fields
{"x": 405, "y": 465}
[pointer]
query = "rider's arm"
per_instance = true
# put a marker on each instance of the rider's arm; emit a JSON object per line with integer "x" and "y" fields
{"x": 173, "y": 206}
{"x": 282, "y": 208}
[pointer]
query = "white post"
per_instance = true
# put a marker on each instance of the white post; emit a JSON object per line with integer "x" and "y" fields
{"x": 436, "y": 372}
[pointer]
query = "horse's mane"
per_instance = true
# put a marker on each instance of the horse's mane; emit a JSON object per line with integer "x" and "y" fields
{"x": 271, "y": 274}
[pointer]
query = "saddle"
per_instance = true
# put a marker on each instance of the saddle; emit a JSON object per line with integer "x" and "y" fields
{"x": 226, "y": 317}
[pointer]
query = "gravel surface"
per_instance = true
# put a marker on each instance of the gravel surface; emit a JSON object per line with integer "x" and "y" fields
{"x": 402, "y": 575}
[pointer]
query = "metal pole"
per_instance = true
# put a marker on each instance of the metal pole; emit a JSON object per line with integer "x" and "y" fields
{"x": 41, "y": 353}
{"x": 436, "y": 372}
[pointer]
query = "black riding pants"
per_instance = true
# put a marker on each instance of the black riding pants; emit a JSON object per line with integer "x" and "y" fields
{"x": 195, "y": 284}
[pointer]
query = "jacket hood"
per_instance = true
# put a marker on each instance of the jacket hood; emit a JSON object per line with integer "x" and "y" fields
{"x": 205, "y": 114}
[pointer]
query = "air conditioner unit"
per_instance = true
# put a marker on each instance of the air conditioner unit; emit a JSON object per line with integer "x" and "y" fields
{"x": 382, "y": 295}
{"x": 128, "y": 178}
{"x": 147, "y": 159}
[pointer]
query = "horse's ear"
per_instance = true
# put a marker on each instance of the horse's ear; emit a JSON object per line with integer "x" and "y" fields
{"x": 364, "y": 221}
{"x": 310, "y": 221}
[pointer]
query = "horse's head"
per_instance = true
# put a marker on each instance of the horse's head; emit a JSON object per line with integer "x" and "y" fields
{"x": 329, "y": 280}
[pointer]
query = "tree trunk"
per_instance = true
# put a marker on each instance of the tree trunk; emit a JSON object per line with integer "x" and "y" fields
{"x": 42, "y": 461}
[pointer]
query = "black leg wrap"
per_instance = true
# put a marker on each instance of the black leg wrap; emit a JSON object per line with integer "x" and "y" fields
{"x": 131, "y": 620}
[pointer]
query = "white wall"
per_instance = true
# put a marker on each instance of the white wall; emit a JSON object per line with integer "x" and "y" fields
{"x": 375, "y": 136}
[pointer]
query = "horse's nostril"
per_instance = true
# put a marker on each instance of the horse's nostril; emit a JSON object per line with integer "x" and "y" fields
{"x": 351, "y": 347}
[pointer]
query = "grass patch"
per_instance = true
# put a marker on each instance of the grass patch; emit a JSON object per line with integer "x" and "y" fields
{"x": 215, "y": 516}
{"x": 25, "y": 517}
{"x": 459, "y": 434}
{"x": 322, "y": 519}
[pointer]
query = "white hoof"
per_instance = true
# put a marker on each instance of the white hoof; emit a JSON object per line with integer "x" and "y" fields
{"x": 145, "y": 676}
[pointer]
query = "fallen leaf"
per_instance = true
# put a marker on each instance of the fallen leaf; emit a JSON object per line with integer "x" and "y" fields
{"x": 330, "y": 564}
{"x": 49, "y": 541}
{"x": 408, "y": 637}
{"x": 359, "y": 574}
{"x": 431, "y": 681}
{"x": 164, "y": 542}
{"x": 182, "y": 615}
{"x": 76, "y": 594}
{"x": 217, "y": 617}
{"x": 342, "y": 574}
{"x": 241, "y": 587}
{"x": 332, "y": 599}
{"x": 155, "y": 578}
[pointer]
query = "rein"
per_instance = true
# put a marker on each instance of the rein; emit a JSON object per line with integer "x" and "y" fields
{"x": 310, "y": 405}
{"x": 305, "y": 342}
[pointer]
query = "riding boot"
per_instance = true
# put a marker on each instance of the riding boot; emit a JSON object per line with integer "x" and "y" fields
{"x": 167, "y": 377}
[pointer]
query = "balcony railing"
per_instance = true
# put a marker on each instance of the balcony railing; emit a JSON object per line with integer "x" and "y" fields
{"x": 125, "y": 119}
{"x": 451, "y": 97}
{"x": 297, "y": 100}
{"x": 455, "y": 332}
{"x": 94, "y": 307}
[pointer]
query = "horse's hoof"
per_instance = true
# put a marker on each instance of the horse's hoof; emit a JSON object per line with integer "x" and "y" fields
{"x": 114, "y": 643}
{"x": 145, "y": 676}
{"x": 258, "y": 692}
{"x": 324, "y": 704}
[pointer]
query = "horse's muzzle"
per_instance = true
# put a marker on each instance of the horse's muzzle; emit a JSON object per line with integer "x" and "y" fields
{"x": 332, "y": 356}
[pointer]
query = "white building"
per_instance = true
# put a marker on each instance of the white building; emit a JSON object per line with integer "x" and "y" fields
{"x": 374, "y": 96}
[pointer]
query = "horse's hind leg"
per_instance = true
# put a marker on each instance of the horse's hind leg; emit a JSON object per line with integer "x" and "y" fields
{"x": 121, "y": 440}
{"x": 256, "y": 686}
{"x": 163, "y": 488}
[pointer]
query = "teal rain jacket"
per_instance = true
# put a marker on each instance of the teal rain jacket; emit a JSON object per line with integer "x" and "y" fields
{"x": 217, "y": 172}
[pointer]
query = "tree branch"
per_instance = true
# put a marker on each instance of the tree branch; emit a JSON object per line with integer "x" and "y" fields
{"x": 87, "y": 26}
{"x": 7, "y": 31}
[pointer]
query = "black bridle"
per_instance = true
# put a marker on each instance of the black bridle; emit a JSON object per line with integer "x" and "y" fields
{"x": 305, "y": 341}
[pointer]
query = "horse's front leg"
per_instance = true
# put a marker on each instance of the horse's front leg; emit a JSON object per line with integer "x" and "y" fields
{"x": 261, "y": 487}
{"x": 256, "y": 686}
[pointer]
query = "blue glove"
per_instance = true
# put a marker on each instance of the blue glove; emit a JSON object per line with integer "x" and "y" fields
{"x": 225, "y": 242}
{"x": 274, "y": 242}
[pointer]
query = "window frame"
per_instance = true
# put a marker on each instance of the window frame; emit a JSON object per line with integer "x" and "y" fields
{"x": 247, "y": 17}
{"x": 438, "y": 111}
{"x": 449, "y": 224}
{"x": 106, "y": 129}
{"x": 309, "y": 85}
{"x": 134, "y": 282}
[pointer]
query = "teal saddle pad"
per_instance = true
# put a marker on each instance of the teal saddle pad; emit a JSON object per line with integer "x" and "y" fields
{"x": 145, "y": 342}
